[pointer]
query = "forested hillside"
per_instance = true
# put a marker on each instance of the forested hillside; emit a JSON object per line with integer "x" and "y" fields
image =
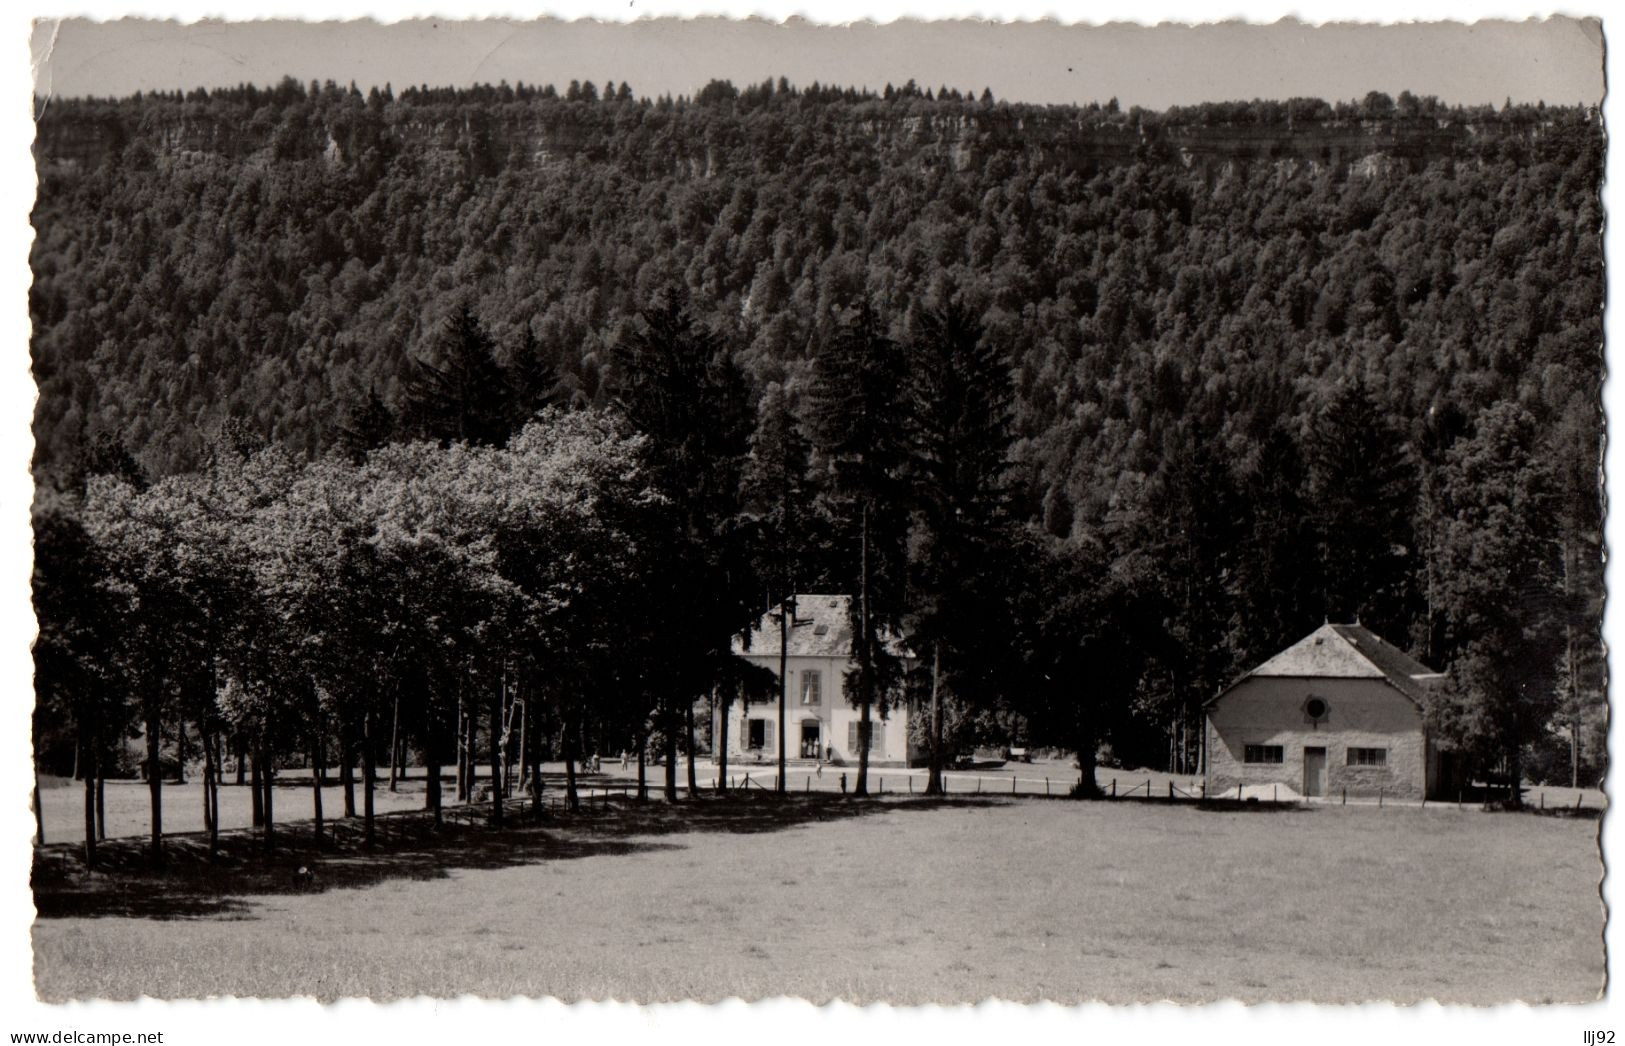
{"x": 1264, "y": 356}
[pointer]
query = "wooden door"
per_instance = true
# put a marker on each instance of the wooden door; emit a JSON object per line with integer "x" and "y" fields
{"x": 1314, "y": 771}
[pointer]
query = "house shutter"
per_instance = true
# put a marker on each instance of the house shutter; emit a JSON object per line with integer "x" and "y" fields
{"x": 767, "y": 734}
{"x": 854, "y": 728}
{"x": 877, "y": 739}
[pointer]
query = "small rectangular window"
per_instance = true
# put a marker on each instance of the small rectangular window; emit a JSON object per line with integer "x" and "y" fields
{"x": 1368, "y": 757}
{"x": 1264, "y": 754}
{"x": 812, "y": 687}
{"x": 758, "y": 734}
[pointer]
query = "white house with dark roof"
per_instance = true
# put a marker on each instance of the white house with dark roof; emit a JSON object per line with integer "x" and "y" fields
{"x": 819, "y": 721}
{"x": 1341, "y": 711}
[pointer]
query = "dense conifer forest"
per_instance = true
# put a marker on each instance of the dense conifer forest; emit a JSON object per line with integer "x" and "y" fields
{"x": 1224, "y": 371}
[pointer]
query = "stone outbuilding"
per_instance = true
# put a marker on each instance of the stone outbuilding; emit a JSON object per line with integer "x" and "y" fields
{"x": 1341, "y": 711}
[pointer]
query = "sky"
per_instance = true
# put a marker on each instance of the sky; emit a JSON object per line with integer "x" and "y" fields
{"x": 1556, "y": 60}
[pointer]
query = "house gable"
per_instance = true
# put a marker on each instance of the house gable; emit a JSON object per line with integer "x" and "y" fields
{"x": 1346, "y": 652}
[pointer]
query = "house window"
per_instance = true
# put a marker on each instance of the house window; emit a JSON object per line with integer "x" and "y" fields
{"x": 812, "y": 688}
{"x": 1264, "y": 754}
{"x": 761, "y": 734}
{"x": 1368, "y": 757}
{"x": 877, "y": 737}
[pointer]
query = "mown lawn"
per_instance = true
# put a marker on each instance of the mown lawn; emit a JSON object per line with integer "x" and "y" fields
{"x": 906, "y": 901}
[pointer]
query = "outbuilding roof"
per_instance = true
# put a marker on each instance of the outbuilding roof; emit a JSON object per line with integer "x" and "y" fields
{"x": 822, "y": 628}
{"x": 1348, "y": 652}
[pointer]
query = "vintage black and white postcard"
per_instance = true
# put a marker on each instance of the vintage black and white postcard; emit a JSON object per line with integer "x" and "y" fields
{"x": 733, "y": 508}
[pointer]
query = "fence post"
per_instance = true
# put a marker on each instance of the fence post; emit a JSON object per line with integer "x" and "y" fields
{"x": 1543, "y": 801}
{"x": 1275, "y": 793}
{"x": 1148, "y": 788}
{"x": 1114, "y": 788}
{"x": 978, "y": 784}
{"x": 882, "y": 786}
{"x": 809, "y": 783}
{"x": 1012, "y": 785}
{"x": 910, "y": 784}
{"x": 1379, "y": 796}
{"x": 1345, "y": 795}
{"x": 1046, "y": 786}
{"x": 747, "y": 781}
{"x": 1170, "y": 789}
{"x": 1578, "y": 799}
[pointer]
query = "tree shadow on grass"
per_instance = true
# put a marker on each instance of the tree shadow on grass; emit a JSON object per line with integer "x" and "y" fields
{"x": 195, "y": 884}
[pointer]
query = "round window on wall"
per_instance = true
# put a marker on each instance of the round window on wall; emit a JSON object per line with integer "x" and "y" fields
{"x": 1316, "y": 708}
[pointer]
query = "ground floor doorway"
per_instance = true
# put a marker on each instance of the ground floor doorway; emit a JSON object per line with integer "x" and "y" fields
{"x": 1314, "y": 771}
{"x": 811, "y": 738}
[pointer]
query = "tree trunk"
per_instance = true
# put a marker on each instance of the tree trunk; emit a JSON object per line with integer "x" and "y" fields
{"x": 496, "y": 758}
{"x": 1086, "y": 787}
{"x": 369, "y": 777}
{"x": 256, "y": 788}
{"x": 39, "y": 815}
{"x": 315, "y": 790}
{"x": 643, "y": 768}
{"x": 102, "y": 759}
{"x": 571, "y": 797}
{"x": 1574, "y": 752}
{"x": 524, "y": 738}
{"x": 212, "y": 791}
{"x": 531, "y": 764}
{"x": 394, "y": 743}
{"x": 266, "y": 775}
{"x": 693, "y": 786}
{"x": 933, "y": 777}
{"x": 787, "y": 617}
{"x": 462, "y": 756}
{"x": 180, "y": 751}
{"x": 155, "y": 787}
{"x": 208, "y": 778}
{"x": 346, "y": 764}
{"x": 670, "y": 739}
{"x": 865, "y": 657}
{"x": 722, "y": 748}
{"x": 91, "y": 777}
{"x": 471, "y": 727}
{"x": 431, "y": 770}
{"x": 242, "y": 758}
{"x": 1515, "y": 776}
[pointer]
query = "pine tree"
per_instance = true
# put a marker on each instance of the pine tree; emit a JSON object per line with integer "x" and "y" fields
{"x": 368, "y": 424}
{"x": 779, "y": 502}
{"x": 679, "y": 385}
{"x": 861, "y": 437}
{"x": 460, "y": 393}
{"x": 960, "y": 409}
{"x": 1362, "y": 486}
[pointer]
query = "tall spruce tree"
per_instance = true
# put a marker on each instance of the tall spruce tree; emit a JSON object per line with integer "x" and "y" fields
{"x": 859, "y": 428}
{"x": 1362, "y": 487}
{"x": 458, "y": 393}
{"x": 960, "y": 409}
{"x": 779, "y": 500}
{"x": 679, "y": 385}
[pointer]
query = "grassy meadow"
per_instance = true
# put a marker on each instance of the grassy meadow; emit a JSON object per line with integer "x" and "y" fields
{"x": 906, "y": 901}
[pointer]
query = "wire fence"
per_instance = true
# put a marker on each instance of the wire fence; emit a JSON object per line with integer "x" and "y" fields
{"x": 593, "y": 796}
